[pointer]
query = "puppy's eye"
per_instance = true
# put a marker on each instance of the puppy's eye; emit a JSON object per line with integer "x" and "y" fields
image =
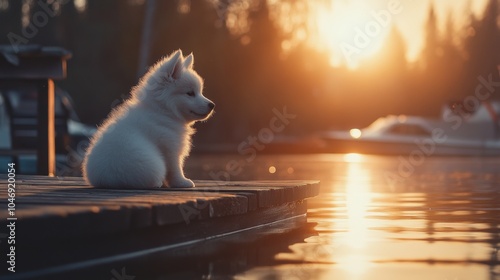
{"x": 190, "y": 93}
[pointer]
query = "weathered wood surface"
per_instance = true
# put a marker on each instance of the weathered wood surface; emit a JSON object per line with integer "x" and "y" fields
{"x": 85, "y": 228}
{"x": 68, "y": 207}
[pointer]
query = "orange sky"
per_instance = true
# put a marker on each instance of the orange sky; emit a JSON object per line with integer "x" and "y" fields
{"x": 340, "y": 23}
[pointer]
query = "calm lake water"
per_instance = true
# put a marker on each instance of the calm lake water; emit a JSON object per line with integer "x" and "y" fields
{"x": 377, "y": 217}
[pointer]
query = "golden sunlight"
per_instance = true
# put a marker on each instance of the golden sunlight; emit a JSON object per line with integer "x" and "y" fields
{"x": 353, "y": 157}
{"x": 355, "y": 30}
{"x": 358, "y": 199}
{"x": 355, "y": 133}
{"x": 350, "y": 32}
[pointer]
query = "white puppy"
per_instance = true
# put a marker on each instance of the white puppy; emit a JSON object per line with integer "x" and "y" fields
{"x": 144, "y": 142}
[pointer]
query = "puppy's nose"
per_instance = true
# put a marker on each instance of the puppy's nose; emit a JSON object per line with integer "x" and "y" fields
{"x": 211, "y": 105}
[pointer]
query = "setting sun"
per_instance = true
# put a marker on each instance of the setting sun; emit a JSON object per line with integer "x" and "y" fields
{"x": 356, "y": 30}
{"x": 350, "y": 32}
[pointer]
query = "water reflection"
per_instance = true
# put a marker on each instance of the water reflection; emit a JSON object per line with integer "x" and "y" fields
{"x": 357, "y": 202}
{"x": 443, "y": 222}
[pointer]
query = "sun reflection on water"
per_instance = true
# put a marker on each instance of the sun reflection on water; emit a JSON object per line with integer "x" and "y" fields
{"x": 353, "y": 157}
{"x": 443, "y": 229}
{"x": 357, "y": 203}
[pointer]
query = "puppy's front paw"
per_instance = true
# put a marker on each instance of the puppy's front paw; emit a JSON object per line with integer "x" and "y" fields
{"x": 181, "y": 183}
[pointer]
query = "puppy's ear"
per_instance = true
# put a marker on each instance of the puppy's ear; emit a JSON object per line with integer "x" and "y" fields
{"x": 176, "y": 72}
{"x": 174, "y": 65}
{"x": 189, "y": 61}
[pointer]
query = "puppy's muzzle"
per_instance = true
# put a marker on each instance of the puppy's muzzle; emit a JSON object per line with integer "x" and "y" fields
{"x": 211, "y": 105}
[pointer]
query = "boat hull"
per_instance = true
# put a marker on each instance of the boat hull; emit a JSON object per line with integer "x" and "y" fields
{"x": 425, "y": 147}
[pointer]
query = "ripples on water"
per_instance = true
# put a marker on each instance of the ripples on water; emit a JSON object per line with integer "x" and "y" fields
{"x": 383, "y": 217}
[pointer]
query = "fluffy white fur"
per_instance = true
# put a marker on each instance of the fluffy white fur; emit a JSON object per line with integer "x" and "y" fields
{"x": 144, "y": 142}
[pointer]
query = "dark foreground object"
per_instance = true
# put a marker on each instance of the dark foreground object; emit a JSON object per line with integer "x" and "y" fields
{"x": 64, "y": 225}
{"x": 36, "y": 67}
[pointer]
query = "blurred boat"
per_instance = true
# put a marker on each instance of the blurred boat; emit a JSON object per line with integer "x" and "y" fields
{"x": 457, "y": 132}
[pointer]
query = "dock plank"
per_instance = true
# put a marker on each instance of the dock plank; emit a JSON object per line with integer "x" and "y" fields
{"x": 68, "y": 207}
{"x": 65, "y": 215}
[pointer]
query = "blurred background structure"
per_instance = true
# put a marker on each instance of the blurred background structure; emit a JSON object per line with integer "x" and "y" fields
{"x": 333, "y": 63}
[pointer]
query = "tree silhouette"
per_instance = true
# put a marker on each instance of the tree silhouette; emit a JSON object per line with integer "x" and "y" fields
{"x": 441, "y": 65}
{"x": 432, "y": 50}
{"x": 481, "y": 46}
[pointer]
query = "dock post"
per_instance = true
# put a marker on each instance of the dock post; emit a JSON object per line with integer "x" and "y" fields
{"x": 37, "y": 66}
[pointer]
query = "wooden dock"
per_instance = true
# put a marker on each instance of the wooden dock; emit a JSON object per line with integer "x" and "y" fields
{"x": 64, "y": 224}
